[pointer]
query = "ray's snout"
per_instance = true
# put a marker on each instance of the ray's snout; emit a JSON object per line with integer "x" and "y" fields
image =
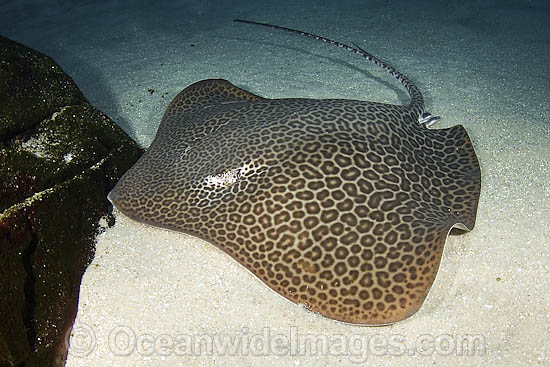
{"x": 114, "y": 197}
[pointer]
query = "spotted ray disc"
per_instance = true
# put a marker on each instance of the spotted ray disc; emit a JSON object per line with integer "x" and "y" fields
{"x": 341, "y": 205}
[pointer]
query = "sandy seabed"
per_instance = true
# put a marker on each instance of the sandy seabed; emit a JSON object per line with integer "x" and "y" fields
{"x": 155, "y": 297}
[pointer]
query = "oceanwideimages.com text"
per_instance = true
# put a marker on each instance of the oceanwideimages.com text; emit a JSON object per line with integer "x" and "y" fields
{"x": 123, "y": 341}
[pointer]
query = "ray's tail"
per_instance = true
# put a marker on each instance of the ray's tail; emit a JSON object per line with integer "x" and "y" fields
{"x": 417, "y": 101}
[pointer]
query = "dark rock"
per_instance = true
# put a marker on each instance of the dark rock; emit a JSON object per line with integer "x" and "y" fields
{"x": 32, "y": 87}
{"x": 59, "y": 157}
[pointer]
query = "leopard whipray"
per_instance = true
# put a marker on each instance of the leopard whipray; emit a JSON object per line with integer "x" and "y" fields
{"x": 343, "y": 206}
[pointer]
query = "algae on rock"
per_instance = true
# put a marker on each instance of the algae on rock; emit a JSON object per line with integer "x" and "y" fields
{"x": 59, "y": 157}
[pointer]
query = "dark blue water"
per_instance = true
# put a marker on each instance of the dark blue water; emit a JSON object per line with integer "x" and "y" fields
{"x": 100, "y": 43}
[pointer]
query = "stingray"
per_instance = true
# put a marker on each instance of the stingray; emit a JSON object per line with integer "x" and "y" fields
{"x": 343, "y": 206}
